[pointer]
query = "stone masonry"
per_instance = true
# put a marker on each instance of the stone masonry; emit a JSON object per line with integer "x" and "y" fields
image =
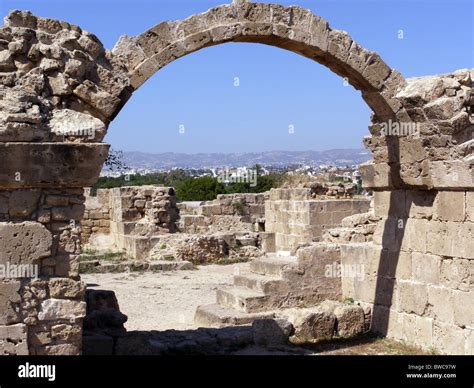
{"x": 96, "y": 222}
{"x": 419, "y": 269}
{"x": 139, "y": 215}
{"x": 60, "y": 89}
{"x": 295, "y": 218}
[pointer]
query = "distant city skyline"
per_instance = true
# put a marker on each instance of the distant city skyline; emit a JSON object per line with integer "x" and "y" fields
{"x": 241, "y": 97}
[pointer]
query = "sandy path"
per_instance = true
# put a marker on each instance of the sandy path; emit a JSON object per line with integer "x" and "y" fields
{"x": 166, "y": 300}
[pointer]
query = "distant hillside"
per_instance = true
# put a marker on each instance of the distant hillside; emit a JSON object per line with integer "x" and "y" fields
{"x": 340, "y": 157}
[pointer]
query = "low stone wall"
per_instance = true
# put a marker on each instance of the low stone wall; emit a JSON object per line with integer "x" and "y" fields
{"x": 250, "y": 206}
{"x": 296, "y": 218}
{"x": 145, "y": 204}
{"x": 139, "y": 214}
{"x": 419, "y": 270}
{"x": 96, "y": 219}
{"x": 129, "y": 218}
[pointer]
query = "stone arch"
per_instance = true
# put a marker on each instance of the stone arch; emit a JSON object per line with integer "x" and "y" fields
{"x": 291, "y": 28}
{"x": 58, "y": 84}
{"x": 59, "y": 90}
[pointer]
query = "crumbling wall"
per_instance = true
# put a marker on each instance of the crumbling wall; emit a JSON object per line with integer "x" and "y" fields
{"x": 96, "y": 221}
{"x": 227, "y": 212}
{"x": 250, "y": 206}
{"x": 296, "y": 218}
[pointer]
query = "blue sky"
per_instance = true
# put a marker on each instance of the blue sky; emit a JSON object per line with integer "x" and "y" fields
{"x": 278, "y": 89}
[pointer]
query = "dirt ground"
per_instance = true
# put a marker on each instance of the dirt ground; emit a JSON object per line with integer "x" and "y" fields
{"x": 167, "y": 300}
{"x": 164, "y": 300}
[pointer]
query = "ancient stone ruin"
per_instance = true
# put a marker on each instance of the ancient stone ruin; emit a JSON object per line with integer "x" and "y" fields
{"x": 60, "y": 89}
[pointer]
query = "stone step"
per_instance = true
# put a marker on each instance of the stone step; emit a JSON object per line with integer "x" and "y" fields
{"x": 262, "y": 283}
{"x": 242, "y": 299}
{"x": 138, "y": 247}
{"x": 272, "y": 265}
{"x": 214, "y": 315}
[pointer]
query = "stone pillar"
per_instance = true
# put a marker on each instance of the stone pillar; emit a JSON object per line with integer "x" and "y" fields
{"x": 41, "y": 207}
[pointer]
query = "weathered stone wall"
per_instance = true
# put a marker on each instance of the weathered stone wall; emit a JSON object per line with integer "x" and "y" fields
{"x": 250, "y": 206}
{"x": 295, "y": 218}
{"x": 151, "y": 205}
{"x": 419, "y": 270}
{"x": 233, "y": 209}
{"x": 139, "y": 214}
{"x": 96, "y": 219}
{"x": 40, "y": 228}
{"x": 429, "y": 144}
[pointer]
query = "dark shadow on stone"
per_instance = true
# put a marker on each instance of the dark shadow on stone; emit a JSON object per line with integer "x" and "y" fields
{"x": 392, "y": 239}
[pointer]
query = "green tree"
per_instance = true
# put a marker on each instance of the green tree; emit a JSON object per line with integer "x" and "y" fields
{"x": 199, "y": 189}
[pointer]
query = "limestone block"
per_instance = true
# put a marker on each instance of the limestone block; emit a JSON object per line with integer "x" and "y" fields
{"x": 67, "y": 333}
{"x": 387, "y": 322}
{"x": 420, "y": 204}
{"x": 390, "y": 203}
{"x": 350, "y": 320}
{"x": 358, "y": 57}
{"x": 415, "y": 234}
{"x": 426, "y": 268}
{"x": 376, "y": 175}
{"x": 470, "y": 205}
{"x": 457, "y": 273}
{"x": 22, "y": 203}
{"x": 53, "y": 309}
{"x": 449, "y": 339}
{"x": 311, "y": 325}
{"x": 74, "y": 212}
{"x": 376, "y": 71}
{"x": 226, "y": 32}
{"x": 9, "y": 297}
{"x": 14, "y": 340}
{"x": 62, "y": 288}
{"x": 61, "y": 350}
{"x": 40, "y": 338}
{"x": 319, "y": 34}
{"x": 339, "y": 43}
{"x": 379, "y": 290}
{"x": 91, "y": 44}
{"x": 463, "y": 308}
{"x": 441, "y": 301}
{"x": 72, "y": 124}
{"x": 99, "y": 99}
{"x": 24, "y": 243}
{"x": 413, "y": 297}
{"x": 450, "y": 206}
{"x": 50, "y": 164}
{"x": 452, "y": 174}
{"x": 401, "y": 326}
{"x": 392, "y": 264}
{"x": 389, "y": 233}
{"x": 418, "y": 330}
{"x": 197, "y": 41}
{"x": 444, "y": 239}
{"x": 268, "y": 332}
{"x": 268, "y": 242}
{"x": 59, "y": 84}
{"x": 470, "y": 342}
